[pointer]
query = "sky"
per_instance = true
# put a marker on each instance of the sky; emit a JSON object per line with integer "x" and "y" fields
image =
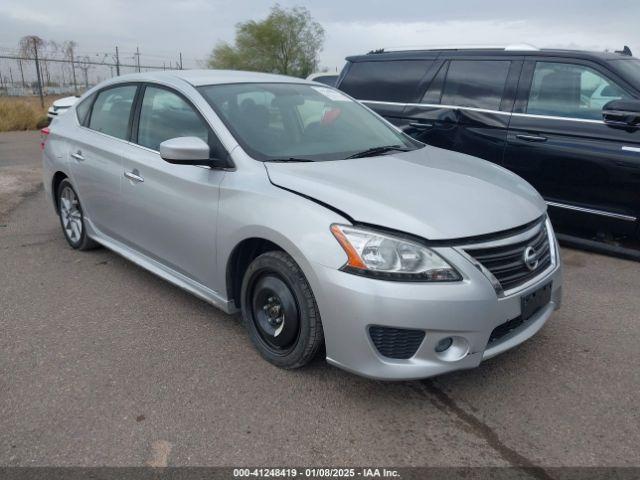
{"x": 162, "y": 28}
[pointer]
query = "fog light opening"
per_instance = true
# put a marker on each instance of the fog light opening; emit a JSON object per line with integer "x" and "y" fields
{"x": 444, "y": 344}
{"x": 452, "y": 349}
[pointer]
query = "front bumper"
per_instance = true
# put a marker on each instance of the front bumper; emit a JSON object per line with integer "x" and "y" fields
{"x": 469, "y": 310}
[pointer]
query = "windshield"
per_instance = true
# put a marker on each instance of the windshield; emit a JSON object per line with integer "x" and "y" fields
{"x": 630, "y": 70}
{"x": 287, "y": 121}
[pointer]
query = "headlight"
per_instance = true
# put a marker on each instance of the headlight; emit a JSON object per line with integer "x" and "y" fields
{"x": 387, "y": 257}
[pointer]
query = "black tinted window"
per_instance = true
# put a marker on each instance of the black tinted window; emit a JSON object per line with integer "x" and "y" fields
{"x": 392, "y": 81}
{"x": 83, "y": 109}
{"x": 327, "y": 79}
{"x": 111, "y": 111}
{"x": 473, "y": 83}
{"x": 165, "y": 115}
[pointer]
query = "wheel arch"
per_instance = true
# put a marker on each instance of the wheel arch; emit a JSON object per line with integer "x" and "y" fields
{"x": 239, "y": 260}
{"x": 56, "y": 180}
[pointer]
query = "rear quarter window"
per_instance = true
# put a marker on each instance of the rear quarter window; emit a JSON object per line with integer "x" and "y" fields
{"x": 83, "y": 109}
{"x": 391, "y": 81}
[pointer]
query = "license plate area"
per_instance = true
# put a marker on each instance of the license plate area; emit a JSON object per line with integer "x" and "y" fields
{"x": 531, "y": 303}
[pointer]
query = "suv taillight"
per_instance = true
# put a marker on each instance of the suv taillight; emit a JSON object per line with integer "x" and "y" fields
{"x": 44, "y": 134}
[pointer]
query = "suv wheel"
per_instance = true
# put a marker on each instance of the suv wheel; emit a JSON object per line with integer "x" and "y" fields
{"x": 72, "y": 218}
{"x": 280, "y": 311}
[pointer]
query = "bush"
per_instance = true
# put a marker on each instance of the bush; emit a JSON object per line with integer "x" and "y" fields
{"x": 17, "y": 115}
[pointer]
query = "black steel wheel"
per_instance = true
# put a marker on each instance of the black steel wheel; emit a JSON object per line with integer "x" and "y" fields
{"x": 280, "y": 312}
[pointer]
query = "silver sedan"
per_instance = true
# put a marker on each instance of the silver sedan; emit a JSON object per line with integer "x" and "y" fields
{"x": 318, "y": 220}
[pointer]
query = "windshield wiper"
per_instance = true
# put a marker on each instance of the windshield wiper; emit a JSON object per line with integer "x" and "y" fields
{"x": 370, "y": 152}
{"x": 288, "y": 159}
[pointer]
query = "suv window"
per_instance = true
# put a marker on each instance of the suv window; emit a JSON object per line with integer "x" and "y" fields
{"x": 476, "y": 83}
{"x": 392, "y": 81}
{"x": 568, "y": 90}
{"x": 165, "y": 115}
{"x": 111, "y": 110}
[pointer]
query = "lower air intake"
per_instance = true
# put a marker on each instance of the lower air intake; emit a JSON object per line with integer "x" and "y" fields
{"x": 398, "y": 343}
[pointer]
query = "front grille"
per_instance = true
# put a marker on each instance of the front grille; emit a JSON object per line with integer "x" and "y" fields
{"x": 396, "y": 342}
{"x": 507, "y": 264}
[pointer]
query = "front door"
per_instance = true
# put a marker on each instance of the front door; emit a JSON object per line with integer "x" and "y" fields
{"x": 170, "y": 211}
{"x": 587, "y": 171}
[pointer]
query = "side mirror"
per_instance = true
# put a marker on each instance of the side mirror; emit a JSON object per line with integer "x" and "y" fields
{"x": 189, "y": 151}
{"x": 622, "y": 113}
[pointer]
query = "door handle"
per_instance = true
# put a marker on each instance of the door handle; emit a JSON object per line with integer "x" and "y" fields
{"x": 78, "y": 156}
{"x": 421, "y": 126}
{"x": 134, "y": 177}
{"x": 531, "y": 138}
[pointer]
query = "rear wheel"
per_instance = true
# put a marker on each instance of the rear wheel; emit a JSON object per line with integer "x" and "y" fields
{"x": 280, "y": 311}
{"x": 72, "y": 217}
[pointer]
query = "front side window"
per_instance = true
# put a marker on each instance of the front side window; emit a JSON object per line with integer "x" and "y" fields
{"x": 476, "y": 83}
{"x": 165, "y": 115}
{"x": 111, "y": 110}
{"x": 569, "y": 90}
{"x": 287, "y": 120}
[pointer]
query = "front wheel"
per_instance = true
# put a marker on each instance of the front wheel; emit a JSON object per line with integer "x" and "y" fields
{"x": 280, "y": 311}
{"x": 72, "y": 218}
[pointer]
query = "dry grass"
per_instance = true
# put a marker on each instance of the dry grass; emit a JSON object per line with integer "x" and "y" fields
{"x": 24, "y": 113}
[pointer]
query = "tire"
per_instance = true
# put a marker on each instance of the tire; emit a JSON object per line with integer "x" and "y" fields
{"x": 72, "y": 217}
{"x": 276, "y": 296}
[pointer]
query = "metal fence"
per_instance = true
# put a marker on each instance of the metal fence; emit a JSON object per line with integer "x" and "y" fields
{"x": 25, "y": 75}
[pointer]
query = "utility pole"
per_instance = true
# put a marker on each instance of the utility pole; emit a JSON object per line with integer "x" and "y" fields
{"x": 35, "y": 51}
{"x": 163, "y": 66}
{"x": 73, "y": 71}
{"x": 138, "y": 58}
{"x": 180, "y": 60}
{"x": 117, "y": 63}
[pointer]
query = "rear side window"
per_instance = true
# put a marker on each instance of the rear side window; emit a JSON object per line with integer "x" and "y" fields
{"x": 83, "y": 109}
{"x": 110, "y": 113}
{"x": 569, "y": 90}
{"x": 166, "y": 115}
{"x": 476, "y": 83}
{"x": 391, "y": 81}
{"x": 327, "y": 79}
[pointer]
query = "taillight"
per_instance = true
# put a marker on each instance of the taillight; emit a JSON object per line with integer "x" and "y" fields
{"x": 44, "y": 133}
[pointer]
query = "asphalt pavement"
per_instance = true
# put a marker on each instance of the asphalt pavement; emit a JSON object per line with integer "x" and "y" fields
{"x": 102, "y": 363}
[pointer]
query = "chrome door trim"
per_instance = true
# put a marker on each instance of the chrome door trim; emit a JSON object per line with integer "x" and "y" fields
{"x": 485, "y": 110}
{"x": 619, "y": 216}
{"x": 631, "y": 149}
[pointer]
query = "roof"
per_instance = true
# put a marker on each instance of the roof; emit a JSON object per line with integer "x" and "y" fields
{"x": 210, "y": 77}
{"x": 497, "y": 52}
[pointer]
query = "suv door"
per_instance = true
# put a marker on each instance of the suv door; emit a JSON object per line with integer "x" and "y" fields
{"x": 170, "y": 211}
{"x": 96, "y": 155}
{"x": 587, "y": 171}
{"x": 467, "y": 105}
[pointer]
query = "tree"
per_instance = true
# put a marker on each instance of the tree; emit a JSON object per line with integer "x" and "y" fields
{"x": 288, "y": 41}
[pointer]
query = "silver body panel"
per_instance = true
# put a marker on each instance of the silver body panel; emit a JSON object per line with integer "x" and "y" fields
{"x": 184, "y": 222}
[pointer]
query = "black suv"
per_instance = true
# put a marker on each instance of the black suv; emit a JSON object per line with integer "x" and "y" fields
{"x": 566, "y": 121}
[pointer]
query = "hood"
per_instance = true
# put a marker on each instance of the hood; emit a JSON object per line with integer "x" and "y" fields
{"x": 432, "y": 193}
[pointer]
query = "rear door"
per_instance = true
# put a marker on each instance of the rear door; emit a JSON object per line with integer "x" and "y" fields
{"x": 467, "y": 105}
{"x": 96, "y": 156}
{"x": 587, "y": 171}
{"x": 170, "y": 211}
